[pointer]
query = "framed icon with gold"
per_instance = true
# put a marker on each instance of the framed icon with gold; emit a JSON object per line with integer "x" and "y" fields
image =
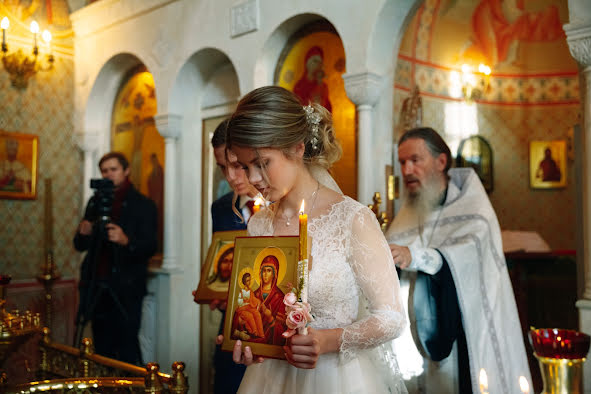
{"x": 264, "y": 270}
{"x": 217, "y": 267}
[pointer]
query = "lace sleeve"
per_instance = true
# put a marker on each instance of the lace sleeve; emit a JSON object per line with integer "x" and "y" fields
{"x": 375, "y": 273}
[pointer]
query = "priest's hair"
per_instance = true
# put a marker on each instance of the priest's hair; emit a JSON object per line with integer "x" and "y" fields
{"x": 435, "y": 144}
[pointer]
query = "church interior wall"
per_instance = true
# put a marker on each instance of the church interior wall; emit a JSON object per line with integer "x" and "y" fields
{"x": 200, "y": 71}
{"x": 45, "y": 108}
{"x": 533, "y": 94}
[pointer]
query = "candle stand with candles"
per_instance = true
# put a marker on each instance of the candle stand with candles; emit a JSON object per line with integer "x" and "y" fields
{"x": 561, "y": 354}
{"x": 15, "y": 327}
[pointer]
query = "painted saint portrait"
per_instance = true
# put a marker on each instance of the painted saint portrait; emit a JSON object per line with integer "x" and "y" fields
{"x": 218, "y": 279}
{"x": 263, "y": 304}
{"x": 216, "y": 270}
{"x": 263, "y": 271}
{"x": 547, "y": 164}
{"x": 18, "y": 165}
{"x": 312, "y": 65}
{"x": 311, "y": 88}
{"x": 134, "y": 133}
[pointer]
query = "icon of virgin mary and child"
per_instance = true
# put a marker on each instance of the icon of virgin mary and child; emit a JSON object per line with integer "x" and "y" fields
{"x": 260, "y": 313}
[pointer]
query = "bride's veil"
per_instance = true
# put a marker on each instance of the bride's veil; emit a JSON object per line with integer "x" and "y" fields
{"x": 322, "y": 175}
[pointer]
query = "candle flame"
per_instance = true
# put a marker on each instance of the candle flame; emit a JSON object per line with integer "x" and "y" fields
{"x": 524, "y": 385}
{"x": 5, "y": 23}
{"x": 258, "y": 201}
{"x": 46, "y": 36}
{"x": 34, "y": 27}
{"x": 483, "y": 380}
{"x": 302, "y": 207}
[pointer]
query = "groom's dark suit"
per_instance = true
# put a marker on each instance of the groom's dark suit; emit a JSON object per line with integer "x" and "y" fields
{"x": 228, "y": 374}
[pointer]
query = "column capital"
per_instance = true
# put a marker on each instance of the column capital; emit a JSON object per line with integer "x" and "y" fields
{"x": 363, "y": 88}
{"x": 169, "y": 125}
{"x": 578, "y": 38}
{"x": 86, "y": 141}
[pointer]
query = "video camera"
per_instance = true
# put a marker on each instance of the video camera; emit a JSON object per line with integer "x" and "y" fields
{"x": 102, "y": 200}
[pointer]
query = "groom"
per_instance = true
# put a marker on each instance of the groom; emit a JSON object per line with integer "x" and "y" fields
{"x": 228, "y": 374}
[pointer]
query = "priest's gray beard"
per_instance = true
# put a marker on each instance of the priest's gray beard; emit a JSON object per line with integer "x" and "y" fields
{"x": 426, "y": 199}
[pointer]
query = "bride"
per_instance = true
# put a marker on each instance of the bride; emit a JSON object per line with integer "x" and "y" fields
{"x": 353, "y": 287}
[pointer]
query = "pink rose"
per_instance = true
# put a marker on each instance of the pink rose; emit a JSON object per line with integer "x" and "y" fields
{"x": 290, "y": 299}
{"x": 296, "y": 319}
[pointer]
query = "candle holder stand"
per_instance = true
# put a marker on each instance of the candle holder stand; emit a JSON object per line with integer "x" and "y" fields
{"x": 561, "y": 354}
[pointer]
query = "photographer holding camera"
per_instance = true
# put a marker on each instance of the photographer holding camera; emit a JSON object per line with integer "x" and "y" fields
{"x": 119, "y": 231}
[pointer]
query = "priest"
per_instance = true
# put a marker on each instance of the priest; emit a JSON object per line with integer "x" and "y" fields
{"x": 447, "y": 240}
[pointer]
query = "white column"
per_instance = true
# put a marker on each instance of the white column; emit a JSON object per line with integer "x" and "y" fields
{"x": 364, "y": 90}
{"x": 89, "y": 145}
{"x": 169, "y": 127}
{"x": 579, "y": 42}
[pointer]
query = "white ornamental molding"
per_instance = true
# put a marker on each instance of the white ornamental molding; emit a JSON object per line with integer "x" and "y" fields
{"x": 244, "y": 18}
{"x": 168, "y": 125}
{"x": 579, "y": 43}
{"x": 364, "y": 88}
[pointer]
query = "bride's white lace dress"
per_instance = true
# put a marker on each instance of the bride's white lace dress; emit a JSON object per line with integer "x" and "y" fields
{"x": 353, "y": 285}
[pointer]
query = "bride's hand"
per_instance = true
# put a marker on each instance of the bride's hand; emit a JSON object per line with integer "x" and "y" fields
{"x": 245, "y": 356}
{"x": 302, "y": 351}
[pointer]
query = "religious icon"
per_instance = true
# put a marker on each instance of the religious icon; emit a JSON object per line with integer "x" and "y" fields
{"x": 547, "y": 164}
{"x": 476, "y": 152}
{"x": 311, "y": 65}
{"x": 217, "y": 268}
{"x": 264, "y": 270}
{"x": 134, "y": 133}
{"x": 18, "y": 165}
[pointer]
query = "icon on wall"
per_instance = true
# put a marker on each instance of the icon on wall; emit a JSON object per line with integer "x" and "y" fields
{"x": 547, "y": 164}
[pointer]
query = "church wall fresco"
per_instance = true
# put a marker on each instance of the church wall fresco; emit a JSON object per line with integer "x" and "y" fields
{"x": 533, "y": 95}
{"x": 311, "y": 65}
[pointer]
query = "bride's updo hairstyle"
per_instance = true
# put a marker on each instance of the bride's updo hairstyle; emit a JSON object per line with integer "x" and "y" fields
{"x": 273, "y": 117}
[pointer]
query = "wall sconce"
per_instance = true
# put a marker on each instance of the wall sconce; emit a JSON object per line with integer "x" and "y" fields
{"x": 475, "y": 85}
{"x": 20, "y": 66}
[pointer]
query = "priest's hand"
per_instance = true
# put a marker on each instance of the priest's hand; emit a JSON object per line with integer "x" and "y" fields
{"x": 241, "y": 356}
{"x": 401, "y": 255}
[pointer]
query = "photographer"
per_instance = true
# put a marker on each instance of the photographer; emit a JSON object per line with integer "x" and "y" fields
{"x": 119, "y": 231}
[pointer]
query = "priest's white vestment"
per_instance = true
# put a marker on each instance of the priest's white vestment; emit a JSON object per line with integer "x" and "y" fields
{"x": 466, "y": 232}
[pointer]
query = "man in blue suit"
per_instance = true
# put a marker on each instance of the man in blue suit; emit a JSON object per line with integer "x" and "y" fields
{"x": 228, "y": 374}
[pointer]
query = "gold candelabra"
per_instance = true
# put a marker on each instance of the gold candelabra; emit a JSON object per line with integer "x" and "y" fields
{"x": 382, "y": 217}
{"x": 15, "y": 328}
{"x": 22, "y": 67}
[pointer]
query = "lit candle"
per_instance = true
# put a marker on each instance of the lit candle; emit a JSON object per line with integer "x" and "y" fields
{"x": 257, "y": 205}
{"x": 4, "y": 25}
{"x": 34, "y": 30}
{"x": 483, "y": 380}
{"x": 303, "y": 261}
{"x": 303, "y": 257}
{"x": 524, "y": 385}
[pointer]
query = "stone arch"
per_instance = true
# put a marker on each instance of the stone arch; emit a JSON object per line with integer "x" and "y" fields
{"x": 265, "y": 65}
{"x": 99, "y": 105}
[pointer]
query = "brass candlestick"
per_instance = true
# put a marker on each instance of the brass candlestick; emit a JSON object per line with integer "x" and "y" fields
{"x": 49, "y": 274}
{"x": 382, "y": 217}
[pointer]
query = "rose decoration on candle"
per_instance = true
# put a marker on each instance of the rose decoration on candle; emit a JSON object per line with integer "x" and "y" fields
{"x": 298, "y": 315}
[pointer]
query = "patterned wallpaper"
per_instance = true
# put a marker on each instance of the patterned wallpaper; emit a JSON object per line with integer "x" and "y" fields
{"x": 44, "y": 109}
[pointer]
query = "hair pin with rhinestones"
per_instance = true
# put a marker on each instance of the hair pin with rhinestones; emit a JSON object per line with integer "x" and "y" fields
{"x": 313, "y": 118}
